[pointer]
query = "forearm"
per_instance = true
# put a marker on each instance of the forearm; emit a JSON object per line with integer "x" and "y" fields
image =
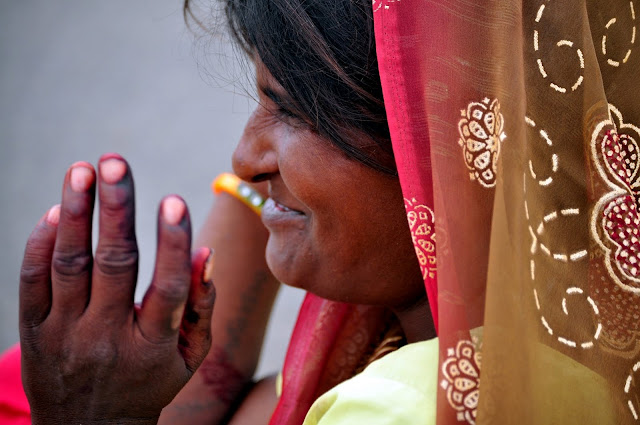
{"x": 245, "y": 291}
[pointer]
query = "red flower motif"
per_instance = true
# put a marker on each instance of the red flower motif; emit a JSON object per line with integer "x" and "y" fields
{"x": 618, "y": 232}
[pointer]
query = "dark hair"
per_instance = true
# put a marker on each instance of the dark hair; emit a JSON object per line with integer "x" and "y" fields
{"x": 323, "y": 54}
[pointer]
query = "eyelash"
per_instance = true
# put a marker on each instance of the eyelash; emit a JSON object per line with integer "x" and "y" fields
{"x": 282, "y": 111}
{"x": 290, "y": 117}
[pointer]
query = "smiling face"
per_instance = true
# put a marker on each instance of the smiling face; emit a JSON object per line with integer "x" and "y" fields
{"x": 337, "y": 227}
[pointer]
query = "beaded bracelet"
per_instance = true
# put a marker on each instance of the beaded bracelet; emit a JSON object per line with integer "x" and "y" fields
{"x": 230, "y": 183}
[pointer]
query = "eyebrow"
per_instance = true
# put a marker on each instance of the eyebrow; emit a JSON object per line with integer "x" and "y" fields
{"x": 276, "y": 98}
{"x": 283, "y": 100}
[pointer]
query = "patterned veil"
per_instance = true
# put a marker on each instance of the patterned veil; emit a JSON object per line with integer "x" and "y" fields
{"x": 516, "y": 132}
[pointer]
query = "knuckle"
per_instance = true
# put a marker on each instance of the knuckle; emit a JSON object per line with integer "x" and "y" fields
{"x": 117, "y": 260}
{"x": 75, "y": 211}
{"x": 29, "y": 337}
{"x": 69, "y": 264}
{"x": 117, "y": 208}
{"x": 172, "y": 290}
{"x": 36, "y": 262}
{"x": 33, "y": 273}
{"x": 173, "y": 270}
{"x": 36, "y": 244}
{"x": 205, "y": 302}
{"x": 177, "y": 240}
{"x": 104, "y": 353}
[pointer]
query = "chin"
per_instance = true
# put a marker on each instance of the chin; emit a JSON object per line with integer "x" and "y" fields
{"x": 282, "y": 265}
{"x": 293, "y": 270}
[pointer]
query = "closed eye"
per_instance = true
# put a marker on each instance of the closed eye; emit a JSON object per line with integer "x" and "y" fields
{"x": 285, "y": 108}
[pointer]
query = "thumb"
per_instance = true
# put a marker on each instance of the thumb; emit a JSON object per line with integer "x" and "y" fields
{"x": 195, "y": 331}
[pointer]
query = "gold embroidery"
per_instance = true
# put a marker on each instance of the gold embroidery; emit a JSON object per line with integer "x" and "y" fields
{"x": 537, "y": 244}
{"x": 629, "y": 382}
{"x": 563, "y": 44}
{"x": 612, "y": 22}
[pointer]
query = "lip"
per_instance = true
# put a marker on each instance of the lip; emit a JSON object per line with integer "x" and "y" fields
{"x": 275, "y": 214}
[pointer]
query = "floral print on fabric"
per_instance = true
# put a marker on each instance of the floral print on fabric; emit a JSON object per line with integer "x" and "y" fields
{"x": 615, "y": 224}
{"x": 616, "y": 219}
{"x": 461, "y": 371}
{"x": 481, "y": 133}
{"x": 422, "y": 226}
{"x": 382, "y": 4}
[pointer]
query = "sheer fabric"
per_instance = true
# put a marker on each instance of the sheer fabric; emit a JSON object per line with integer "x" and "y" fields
{"x": 331, "y": 342}
{"x": 516, "y": 131}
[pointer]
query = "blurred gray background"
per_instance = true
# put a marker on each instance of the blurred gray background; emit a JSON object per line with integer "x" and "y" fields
{"x": 79, "y": 78}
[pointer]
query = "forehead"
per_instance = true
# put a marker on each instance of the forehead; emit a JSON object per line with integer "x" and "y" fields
{"x": 264, "y": 78}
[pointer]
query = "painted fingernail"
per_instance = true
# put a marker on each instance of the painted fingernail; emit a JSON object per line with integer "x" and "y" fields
{"x": 173, "y": 210}
{"x": 81, "y": 177}
{"x": 53, "y": 217}
{"x": 112, "y": 170}
{"x": 207, "y": 274}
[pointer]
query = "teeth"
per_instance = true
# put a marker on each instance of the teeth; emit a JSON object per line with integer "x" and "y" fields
{"x": 282, "y": 207}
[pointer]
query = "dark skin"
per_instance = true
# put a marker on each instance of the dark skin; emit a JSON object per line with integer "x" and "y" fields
{"x": 245, "y": 291}
{"x": 84, "y": 343}
{"x": 336, "y": 228}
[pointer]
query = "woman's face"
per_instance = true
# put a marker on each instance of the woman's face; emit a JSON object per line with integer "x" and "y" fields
{"x": 337, "y": 227}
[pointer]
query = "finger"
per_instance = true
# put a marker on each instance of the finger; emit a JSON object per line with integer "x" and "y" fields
{"x": 115, "y": 268}
{"x": 72, "y": 259}
{"x": 35, "y": 273}
{"x": 195, "y": 333}
{"x": 163, "y": 305}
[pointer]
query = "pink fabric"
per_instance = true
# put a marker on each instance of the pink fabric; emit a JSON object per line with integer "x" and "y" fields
{"x": 14, "y": 407}
{"x": 316, "y": 330}
{"x": 328, "y": 345}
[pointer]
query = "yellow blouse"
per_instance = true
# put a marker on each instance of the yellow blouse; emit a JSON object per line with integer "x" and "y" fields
{"x": 400, "y": 388}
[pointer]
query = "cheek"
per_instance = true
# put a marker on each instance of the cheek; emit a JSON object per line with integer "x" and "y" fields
{"x": 381, "y": 241}
{"x": 356, "y": 246}
{"x": 366, "y": 235}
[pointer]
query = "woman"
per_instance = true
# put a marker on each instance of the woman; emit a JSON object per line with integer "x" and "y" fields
{"x": 521, "y": 158}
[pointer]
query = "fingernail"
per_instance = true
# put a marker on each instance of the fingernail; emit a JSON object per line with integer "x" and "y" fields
{"x": 53, "y": 217}
{"x": 81, "y": 178}
{"x": 173, "y": 210}
{"x": 112, "y": 170}
{"x": 207, "y": 274}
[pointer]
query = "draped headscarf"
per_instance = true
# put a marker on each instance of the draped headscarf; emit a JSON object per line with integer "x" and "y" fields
{"x": 516, "y": 132}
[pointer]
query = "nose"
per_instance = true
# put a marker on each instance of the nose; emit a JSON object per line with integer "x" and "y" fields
{"x": 255, "y": 158}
